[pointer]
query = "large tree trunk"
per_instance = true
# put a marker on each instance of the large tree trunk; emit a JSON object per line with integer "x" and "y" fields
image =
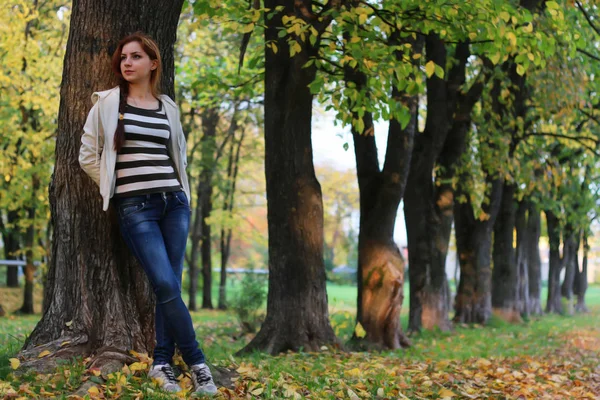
{"x": 522, "y": 258}
{"x": 555, "y": 264}
{"x": 427, "y": 279}
{"x": 505, "y": 274}
{"x": 570, "y": 247}
{"x": 534, "y": 262}
{"x": 297, "y": 313}
{"x": 581, "y": 284}
{"x": 473, "y": 302}
{"x": 98, "y": 299}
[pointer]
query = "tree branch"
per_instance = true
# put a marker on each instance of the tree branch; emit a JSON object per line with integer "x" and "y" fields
{"x": 587, "y": 17}
{"x": 577, "y": 139}
{"x": 587, "y": 53}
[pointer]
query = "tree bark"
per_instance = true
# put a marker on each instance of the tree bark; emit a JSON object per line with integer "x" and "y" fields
{"x": 473, "y": 303}
{"x": 534, "y": 262}
{"x": 555, "y": 264}
{"x": 102, "y": 320}
{"x": 297, "y": 314}
{"x": 505, "y": 274}
{"x": 581, "y": 284}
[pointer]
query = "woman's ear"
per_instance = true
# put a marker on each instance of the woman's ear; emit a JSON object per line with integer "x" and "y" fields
{"x": 154, "y": 65}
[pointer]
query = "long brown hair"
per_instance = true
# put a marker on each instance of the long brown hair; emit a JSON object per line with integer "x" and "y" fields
{"x": 151, "y": 48}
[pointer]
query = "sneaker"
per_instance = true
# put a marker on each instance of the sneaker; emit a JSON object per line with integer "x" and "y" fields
{"x": 166, "y": 377}
{"x": 203, "y": 381}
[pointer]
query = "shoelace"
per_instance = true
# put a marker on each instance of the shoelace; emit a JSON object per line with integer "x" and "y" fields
{"x": 201, "y": 376}
{"x": 168, "y": 371}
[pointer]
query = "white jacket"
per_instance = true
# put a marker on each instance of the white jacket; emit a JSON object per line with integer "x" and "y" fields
{"x": 97, "y": 155}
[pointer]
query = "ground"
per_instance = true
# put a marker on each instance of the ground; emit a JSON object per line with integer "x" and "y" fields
{"x": 549, "y": 357}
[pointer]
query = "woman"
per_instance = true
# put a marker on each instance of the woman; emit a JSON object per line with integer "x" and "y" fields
{"x": 138, "y": 133}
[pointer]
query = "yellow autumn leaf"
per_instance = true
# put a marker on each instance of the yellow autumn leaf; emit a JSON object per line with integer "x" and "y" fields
{"x": 528, "y": 28}
{"x": 512, "y": 38}
{"x": 429, "y": 68}
{"x": 137, "y": 366}
{"x": 14, "y": 363}
{"x": 359, "y": 331}
{"x": 93, "y": 390}
{"x": 257, "y": 391}
{"x": 445, "y": 393}
{"x": 44, "y": 353}
{"x": 353, "y": 372}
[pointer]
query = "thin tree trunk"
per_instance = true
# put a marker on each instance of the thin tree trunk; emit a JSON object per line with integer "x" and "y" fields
{"x": 11, "y": 247}
{"x": 553, "y": 304}
{"x": 297, "y": 313}
{"x": 581, "y": 284}
{"x": 473, "y": 302}
{"x": 82, "y": 317}
{"x": 505, "y": 274}
{"x": 522, "y": 257}
{"x": 29, "y": 269}
{"x": 226, "y": 234}
{"x": 534, "y": 262}
{"x": 571, "y": 244}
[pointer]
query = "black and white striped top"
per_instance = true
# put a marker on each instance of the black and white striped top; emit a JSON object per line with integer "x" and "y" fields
{"x": 143, "y": 163}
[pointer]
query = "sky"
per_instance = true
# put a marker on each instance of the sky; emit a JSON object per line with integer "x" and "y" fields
{"x": 328, "y": 149}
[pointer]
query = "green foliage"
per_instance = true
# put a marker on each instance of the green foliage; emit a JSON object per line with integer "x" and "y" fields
{"x": 248, "y": 302}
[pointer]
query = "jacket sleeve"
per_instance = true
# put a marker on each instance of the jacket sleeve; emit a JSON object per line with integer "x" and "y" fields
{"x": 183, "y": 141}
{"x": 92, "y": 143}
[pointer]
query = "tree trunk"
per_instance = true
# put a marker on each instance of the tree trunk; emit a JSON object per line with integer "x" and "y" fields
{"x": 473, "y": 302}
{"x": 522, "y": 257}
{"x": 29, "y": 269}
{"x": 232, "y": 172}
{"x": 581, "y": 284}
{"x": 570, "y": 246}
{"x": 297, "y": 313}
{"x": 505, "y": 274}
{"x": 11, "y": 247}
{"x": 534, "y": 262}
{"x": 555, "y": 264}
{"x": 380, "y": 272}
{"x": 102, "y": 320}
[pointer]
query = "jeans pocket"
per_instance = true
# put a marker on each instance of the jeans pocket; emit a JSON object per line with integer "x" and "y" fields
{"x": 128, "y": 209}
{"x": 182, "y": 198}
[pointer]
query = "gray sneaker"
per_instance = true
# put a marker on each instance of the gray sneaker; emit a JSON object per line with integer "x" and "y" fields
{"x": 202, "y": 380}
{"x": 165, "y": 376}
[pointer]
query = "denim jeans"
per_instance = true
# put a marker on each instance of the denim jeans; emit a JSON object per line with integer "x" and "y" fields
{"x": 155, "y": 228}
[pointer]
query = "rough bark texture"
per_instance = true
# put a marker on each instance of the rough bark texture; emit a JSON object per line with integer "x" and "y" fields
{"x": 473, "y": 302}
{"x": 97, "y": 298}
{"x": 297, "y": 314}
{"x": 505, "y": 274}
{"x": 534, "y": 262}
{"x": 555, "y": 264}
{"x": 581, "y": 284}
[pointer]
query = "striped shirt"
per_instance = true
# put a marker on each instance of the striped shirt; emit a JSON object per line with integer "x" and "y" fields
{"x": 143, "y": 163}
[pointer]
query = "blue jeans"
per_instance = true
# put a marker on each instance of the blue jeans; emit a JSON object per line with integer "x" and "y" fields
{"x": 155, "y": 228}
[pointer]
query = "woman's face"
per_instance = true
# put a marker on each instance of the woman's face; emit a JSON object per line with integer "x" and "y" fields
{"x": 136, "y": 65}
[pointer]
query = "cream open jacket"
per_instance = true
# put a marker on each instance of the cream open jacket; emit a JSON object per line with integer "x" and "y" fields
{"x": 97, "y": 155}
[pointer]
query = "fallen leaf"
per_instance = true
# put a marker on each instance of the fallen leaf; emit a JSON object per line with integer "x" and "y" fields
{"x": 44, "y": 353}
{"x": 14, "y": 363}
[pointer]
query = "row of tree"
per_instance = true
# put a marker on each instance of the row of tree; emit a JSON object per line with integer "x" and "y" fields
{"x": 485, "y": 130}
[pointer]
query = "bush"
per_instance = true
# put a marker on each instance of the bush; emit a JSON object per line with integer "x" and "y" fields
{"x": 248, "y": 301}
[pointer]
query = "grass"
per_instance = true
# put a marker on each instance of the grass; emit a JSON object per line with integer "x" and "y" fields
{"x": 302, "y": 373}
